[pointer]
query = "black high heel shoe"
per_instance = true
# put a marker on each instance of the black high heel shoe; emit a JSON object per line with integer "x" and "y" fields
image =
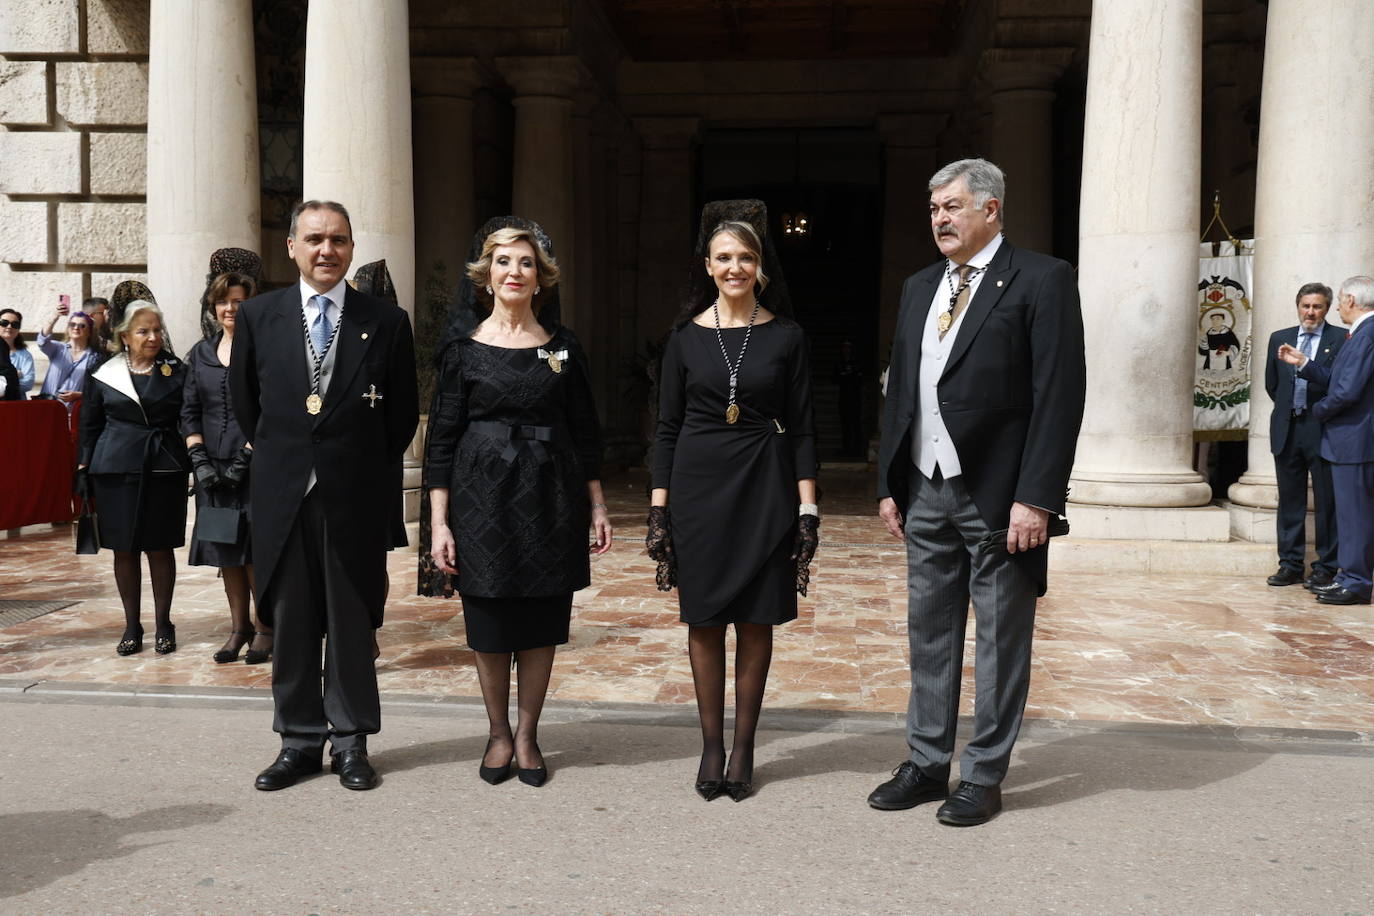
{"x": 739, "y": 790}
{"x": 165, "y": 643}
{"x": 130, "y": 643}
{"x": 533, "y": 776}
{"x": 225, "y": 656}
{"x": 495, "y": 775}
{"x": 710, "y": 789}
{"x": 258, "y": 656}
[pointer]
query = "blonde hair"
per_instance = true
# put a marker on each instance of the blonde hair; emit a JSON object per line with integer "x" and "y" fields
{"x": 546, "y": 268}
{"x": 132, "y": 311}
{"x": 746, "y": 235}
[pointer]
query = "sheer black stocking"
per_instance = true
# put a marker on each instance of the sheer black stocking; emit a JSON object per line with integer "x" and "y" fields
{"x": 706, "y": 649}
{"x": 128, "y": 573}
{"x": 493, "y": 673}
{"x": 533, "y": 668}
{"x": 236, "y": 591}
{"x": 753, "y": 655}
{"x": 162, "y": 570}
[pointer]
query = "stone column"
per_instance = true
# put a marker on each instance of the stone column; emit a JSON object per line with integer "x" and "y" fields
{"x": 1022, "y": 142}
{"x": 203, "y": 185}
{"x": 1138, "y": 274}
{"x": 1315, "y": 180}
{"x": 542, "y": 185}
{"x": 445, "y": 217}
{"x": 909, "y": 159}
{"x": 666, "y": 219}
{"x": 357, "y": 128}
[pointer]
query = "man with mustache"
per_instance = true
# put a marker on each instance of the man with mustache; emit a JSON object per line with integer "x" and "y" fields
{"x": 323, "y": 385}
{"x": 984, "y": 402}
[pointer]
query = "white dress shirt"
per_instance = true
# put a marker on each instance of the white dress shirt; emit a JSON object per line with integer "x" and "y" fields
{"x": 931, "y": 446}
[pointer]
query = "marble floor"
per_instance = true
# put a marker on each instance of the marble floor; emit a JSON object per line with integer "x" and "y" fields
{"x": 1220, "y": 651}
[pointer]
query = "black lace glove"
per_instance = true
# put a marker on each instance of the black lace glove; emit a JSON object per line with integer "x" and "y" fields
{"x": 804, "y": 548}
{"x": 658, "y": 542}
{"x": 237, "y": 470}
{"x": 201, "y": 468}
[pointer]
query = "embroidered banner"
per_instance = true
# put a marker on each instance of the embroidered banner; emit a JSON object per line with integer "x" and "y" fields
{"x": 1221, "y": 387}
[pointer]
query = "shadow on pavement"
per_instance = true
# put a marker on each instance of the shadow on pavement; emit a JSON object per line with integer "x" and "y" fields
{"x": 43, "y": 846}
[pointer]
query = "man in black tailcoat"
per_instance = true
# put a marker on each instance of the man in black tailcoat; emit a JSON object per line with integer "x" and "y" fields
{"x": 1295, "y": 438}
{"x": 323, "y": 385}
{"x": 984, "y": 402}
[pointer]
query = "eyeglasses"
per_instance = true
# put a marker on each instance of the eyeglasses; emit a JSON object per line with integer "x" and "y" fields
{"x": 78, "y": 327}
{"x": 6, "y": 323}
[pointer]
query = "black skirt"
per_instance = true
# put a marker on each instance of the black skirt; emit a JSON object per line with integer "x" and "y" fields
{"x": 213, "y": 553}
{"x": 161, "y": 525}
{"x": 768, "y": 599}
{"x": 516, "y": 624}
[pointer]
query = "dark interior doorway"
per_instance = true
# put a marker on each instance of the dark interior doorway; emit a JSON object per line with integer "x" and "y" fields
{"x": 834, "y": 177}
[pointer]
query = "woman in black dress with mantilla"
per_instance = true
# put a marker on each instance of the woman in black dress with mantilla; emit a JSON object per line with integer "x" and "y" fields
{"x": 733, "y": 519}
{"x": 513, "y": 469}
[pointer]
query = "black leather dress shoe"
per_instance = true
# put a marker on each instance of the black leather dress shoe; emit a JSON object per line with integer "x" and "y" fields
{"x": 1339, "y": 595}
{"x": 354, "y": 770}
{"x": 907, "y": 788}
{"x": 1317, "y": 580}
{"x": 970, "y": 805}
{"x": 291, "y": 764}
{"x": 1285, "y": 576}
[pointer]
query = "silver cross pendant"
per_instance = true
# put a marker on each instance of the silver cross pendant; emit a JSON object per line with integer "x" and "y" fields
{"x": 372, "y": 396}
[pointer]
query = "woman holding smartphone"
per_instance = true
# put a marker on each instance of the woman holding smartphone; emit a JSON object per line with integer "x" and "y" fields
{"x": 68, "y": 363}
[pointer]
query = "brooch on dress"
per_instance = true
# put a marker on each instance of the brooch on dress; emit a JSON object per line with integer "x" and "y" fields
{"x": 555, "y": 359}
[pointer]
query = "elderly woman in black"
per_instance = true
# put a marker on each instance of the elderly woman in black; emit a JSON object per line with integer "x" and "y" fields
{"x": 735, "y": 464}
{"x": 219, "y": 453}
{"x": 133, "y": 462}
{"x": 513, "y": 470}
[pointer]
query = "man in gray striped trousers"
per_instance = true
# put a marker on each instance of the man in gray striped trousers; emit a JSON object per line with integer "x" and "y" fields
{"x": 984, "y": 402}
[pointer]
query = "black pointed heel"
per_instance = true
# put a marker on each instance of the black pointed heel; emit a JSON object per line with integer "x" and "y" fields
{"x": 494, "y": 775}
{"x": 738, "y": 791}
{"x": 225, "y": 656}
{"x": 131, "y": 642}
{"x": 258, "y": 656}
{"x": 533, "y": 776}
{"x": 710, "y": 789}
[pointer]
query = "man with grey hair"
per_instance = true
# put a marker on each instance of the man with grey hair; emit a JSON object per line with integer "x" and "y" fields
{"x": 1295, "y": 438}
{"x": 1347, "y": 418}
{"x": 984, "y": 402}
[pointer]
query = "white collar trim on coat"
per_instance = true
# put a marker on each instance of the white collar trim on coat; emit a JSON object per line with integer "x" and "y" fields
{"x": 115, "y": 373}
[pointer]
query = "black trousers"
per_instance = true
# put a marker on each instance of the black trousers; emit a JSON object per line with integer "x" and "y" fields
{"x": 312, "y": 599}
{"x": 1299, "y": 457}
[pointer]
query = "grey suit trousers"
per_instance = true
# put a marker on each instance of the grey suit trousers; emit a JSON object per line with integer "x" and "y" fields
{"x": 945, "y": 568}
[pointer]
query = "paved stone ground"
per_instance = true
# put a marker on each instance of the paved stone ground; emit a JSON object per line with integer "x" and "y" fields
{"x": 121, "y": 805}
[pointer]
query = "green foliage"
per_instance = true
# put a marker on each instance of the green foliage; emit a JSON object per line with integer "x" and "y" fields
{"x": 431, "y": 314}
{"x": 1210, "y": 402}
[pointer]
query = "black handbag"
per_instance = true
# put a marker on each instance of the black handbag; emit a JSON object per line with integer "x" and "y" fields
{"x": 87, "y": 531}
{"x": 218, "y": 525}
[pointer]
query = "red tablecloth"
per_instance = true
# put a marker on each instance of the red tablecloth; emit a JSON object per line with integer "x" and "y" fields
{"x": 37, "y": 459}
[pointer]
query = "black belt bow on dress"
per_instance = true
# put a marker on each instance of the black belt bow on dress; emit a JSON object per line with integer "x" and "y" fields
{"x": 517, "y": 437}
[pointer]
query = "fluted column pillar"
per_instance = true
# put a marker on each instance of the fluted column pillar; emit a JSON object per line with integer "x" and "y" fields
{"x": 909, "y": 159}
{"x": 203, "y": 186}
{"x": 1022, "y": 141}
{"x": 357, "y": 128}
{"x": 1312, "y": 215}
{"x": 445, "y": 212}
{"x": 666, "y": 219}
{"x": 542, "y": 184}
{"x": 1138, "y": 259}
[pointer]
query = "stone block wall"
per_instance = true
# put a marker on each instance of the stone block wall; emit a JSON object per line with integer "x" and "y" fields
{"x": 73, "y": 157}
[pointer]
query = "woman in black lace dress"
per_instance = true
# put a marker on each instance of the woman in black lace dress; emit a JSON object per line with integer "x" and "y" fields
{"x": 735, "y": 464}
{"x": 513, "y": 470}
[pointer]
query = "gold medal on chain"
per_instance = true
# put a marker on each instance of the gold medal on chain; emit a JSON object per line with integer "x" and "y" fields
{"x": 314, "y": 404}
{"x": 732, "y": 414}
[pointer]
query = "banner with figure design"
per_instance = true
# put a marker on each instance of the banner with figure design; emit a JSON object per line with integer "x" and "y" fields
{"x": 1221, "y": 388}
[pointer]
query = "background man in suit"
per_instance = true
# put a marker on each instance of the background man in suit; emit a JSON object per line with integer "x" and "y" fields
{"x": 1347, "y": 418}
{"x": 984, "y": 402}
{"x": 323, "y": 385}
{"x": 1295, "y": 439}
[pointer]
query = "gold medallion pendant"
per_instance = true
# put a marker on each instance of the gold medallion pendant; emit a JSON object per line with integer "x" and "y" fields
{"x": 946, "y": 319}
{"x": 166, "y": 369}
{"x": 732, "y": 414}
{"x": 555, "y": 363}
{"x": 313, "y": 404}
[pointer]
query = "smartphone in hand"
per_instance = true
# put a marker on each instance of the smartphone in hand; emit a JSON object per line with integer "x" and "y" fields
{"x": 64, "y": 304}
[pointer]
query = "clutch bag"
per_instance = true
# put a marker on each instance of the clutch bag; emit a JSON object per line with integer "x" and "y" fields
{"x": 218, "y": 525}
